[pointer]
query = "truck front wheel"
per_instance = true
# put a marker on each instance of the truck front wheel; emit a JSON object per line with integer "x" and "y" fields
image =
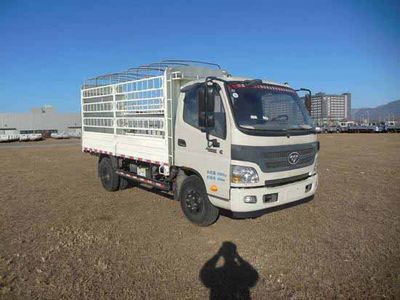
{"x": 195, "y": 203}
{"x": 109, "y": 179}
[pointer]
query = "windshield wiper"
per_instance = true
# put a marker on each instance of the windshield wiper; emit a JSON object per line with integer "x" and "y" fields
{"x": 296, "y": 129}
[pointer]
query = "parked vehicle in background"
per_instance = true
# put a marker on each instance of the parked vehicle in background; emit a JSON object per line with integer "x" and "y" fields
{"x": 343, "y": 127}
{"x": 74, "y": 134}
{"x": 60, "y": 135}
{"x": 363, "y": 128}
{"x": 214, "y": 141}
{"x": 9, "y": 135}
{"x": 383, "y": 126}
{"x": 24, "y": 137}
{"x": 35, "y": 136}
{"x": 352, "y": 127}
{"x": 392, "y": 126}
{"x": 30, "y": 137}
{"x": 330, "y": 129}
{"x": 378, "y": 127}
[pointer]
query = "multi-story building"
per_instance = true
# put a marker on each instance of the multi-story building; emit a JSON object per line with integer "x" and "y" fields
{"x": 326, "y": 108}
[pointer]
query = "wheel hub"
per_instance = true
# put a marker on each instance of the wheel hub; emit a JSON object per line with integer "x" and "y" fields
{"x": 193, "y": 201}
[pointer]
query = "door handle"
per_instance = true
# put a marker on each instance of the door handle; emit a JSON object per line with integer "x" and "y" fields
{"x": 181, "y": 143}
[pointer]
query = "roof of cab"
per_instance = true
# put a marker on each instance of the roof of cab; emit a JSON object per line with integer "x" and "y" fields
{"x": 235, "y": 79}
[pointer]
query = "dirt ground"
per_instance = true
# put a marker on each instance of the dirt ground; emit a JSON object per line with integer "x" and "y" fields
{"x": 63, "y": 236}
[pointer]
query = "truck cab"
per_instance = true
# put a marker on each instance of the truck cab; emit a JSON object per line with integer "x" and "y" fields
{"x": 251, "y": 142}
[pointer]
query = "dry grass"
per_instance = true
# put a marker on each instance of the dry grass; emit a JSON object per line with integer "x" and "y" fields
{"x": 63, "y": 236}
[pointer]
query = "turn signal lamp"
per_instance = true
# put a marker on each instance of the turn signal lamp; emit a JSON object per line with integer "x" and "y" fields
{"x": 213, "y": 188}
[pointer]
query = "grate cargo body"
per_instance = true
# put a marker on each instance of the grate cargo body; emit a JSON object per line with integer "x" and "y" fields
{"x": 131, "y": 114}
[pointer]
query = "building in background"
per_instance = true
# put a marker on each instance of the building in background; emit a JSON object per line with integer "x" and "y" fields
{"x": 44, "y": 120}
{"x": 325, "y": 109}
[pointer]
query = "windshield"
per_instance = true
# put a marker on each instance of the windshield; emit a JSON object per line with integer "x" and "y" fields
{"x": 268, "y": 107}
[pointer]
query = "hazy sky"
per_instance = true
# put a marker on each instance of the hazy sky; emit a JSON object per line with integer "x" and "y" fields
{"x": 47, "y": 48}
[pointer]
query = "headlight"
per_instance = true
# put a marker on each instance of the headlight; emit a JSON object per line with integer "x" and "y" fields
{"x": 243, "y": 175}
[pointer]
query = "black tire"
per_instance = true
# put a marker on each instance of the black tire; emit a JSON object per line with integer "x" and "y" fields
{"x": 109, "y": 179}
{"x": 195, "y": 203}
{"x": 178, "y": 183}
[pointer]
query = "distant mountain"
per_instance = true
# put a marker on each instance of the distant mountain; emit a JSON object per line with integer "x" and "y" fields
{"x": 383, "y": 112}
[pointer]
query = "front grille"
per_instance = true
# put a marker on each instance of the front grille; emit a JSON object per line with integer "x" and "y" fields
{"x": 278, "y": 161}
{"x": 275, "y": 158}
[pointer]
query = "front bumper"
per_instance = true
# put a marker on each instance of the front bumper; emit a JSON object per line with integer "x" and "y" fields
{"x": 286, "y": 194}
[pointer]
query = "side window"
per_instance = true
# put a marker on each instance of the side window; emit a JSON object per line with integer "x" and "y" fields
{"x": 191, "y": 108}
{"x": 219, "y": 129}
{"x": 191, "y": 113}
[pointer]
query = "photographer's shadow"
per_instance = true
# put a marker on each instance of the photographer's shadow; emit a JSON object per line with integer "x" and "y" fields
{"x": 233, "y": 279}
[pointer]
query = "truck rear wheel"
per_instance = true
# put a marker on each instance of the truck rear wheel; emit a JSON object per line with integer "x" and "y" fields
{"x": 109, "y": 179}
{"x": 195, "y": 203}
{"x": 123, "y": 183}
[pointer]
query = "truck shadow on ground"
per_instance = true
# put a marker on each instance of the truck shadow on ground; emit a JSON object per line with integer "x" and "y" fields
{"x": 230, "y": 279}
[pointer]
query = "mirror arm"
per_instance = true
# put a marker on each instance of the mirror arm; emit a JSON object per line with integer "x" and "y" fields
{"x": 215, "y": 143}
{"x": 304, "y": 90}
{"x": 211, "y": 142}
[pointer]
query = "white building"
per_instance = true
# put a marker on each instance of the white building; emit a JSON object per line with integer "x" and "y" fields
{"x": 326, "y": 108}
{"x": 44, "y": 120}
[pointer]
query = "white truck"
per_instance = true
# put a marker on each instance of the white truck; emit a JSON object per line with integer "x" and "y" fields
{"x": 214, "y": 141}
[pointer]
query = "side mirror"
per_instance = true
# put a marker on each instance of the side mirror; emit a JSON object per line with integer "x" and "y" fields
{"x": 206, "y": 102}
{"x": 210, "y": 102}
{"x": 201, "y": 97}
{"x": 307, "y": 98}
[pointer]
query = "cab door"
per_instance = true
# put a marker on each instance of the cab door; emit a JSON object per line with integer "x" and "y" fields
{"x": 211, "y": 160}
